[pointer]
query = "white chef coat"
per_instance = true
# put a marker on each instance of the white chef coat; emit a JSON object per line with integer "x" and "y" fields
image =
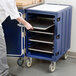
{"x": 8, "y": 8}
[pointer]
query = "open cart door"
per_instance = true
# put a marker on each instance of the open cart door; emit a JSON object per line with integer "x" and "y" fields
{"x": 14, "y": 37}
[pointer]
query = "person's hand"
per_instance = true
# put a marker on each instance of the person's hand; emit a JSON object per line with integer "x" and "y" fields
{"x": 25, "y": 23}
{"x": 28, "y": 26}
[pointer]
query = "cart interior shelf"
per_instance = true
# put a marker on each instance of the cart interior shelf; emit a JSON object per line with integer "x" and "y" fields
{"x": 43, "y": 39}
{"x": 49, "y": 31}
{"x": 42, "y": 48}
{"x": 41, "y": 23}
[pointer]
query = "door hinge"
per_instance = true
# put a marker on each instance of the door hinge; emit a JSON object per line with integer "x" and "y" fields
{"x": 23, "y": 51}
{"x": 58, "y": 19}
{"x": 58, "y": 36}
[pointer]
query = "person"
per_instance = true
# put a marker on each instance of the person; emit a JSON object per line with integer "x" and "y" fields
{"x": 8, "y": 8}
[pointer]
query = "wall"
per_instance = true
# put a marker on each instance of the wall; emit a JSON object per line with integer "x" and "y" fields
{"x": 73, "y": 32}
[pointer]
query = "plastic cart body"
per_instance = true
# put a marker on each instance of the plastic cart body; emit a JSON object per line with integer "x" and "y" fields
{"x": 48, "y": 42}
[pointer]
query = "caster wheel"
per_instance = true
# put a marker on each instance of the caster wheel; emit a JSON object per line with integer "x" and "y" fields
{"x": 20, "y": 61}
{"x": 65, "y": 56}
{"x": 52, "y": 67}
{"x": 29, "y": 62}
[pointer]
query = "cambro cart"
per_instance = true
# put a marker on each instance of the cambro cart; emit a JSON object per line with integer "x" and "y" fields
{"x": 50, "y": 39}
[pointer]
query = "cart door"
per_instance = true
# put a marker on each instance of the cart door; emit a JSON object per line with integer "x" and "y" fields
{"x": 14, "y": 37}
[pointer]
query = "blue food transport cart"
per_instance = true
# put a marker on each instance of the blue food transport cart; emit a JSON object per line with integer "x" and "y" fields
{"x": 50, "y": 39}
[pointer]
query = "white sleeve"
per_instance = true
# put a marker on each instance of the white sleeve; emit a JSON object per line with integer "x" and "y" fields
{"x": 12, "y": 9}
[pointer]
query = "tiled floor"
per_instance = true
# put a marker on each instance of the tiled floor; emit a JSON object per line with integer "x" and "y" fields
{"x": 40, "y": 68}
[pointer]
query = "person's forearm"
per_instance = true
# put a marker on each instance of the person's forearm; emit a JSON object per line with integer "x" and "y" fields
{"x": 25, "y": 23}
{"x": 21, "y": 20}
